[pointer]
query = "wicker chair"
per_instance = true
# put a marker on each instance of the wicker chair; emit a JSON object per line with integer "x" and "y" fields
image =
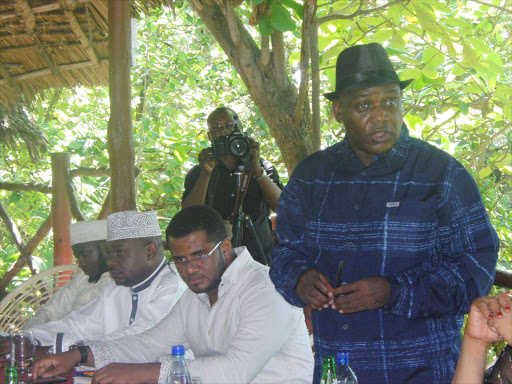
{"x": 23, "y": 301}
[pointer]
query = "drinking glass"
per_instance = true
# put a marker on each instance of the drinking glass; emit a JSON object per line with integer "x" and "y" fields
{"x": 24, "y": 349}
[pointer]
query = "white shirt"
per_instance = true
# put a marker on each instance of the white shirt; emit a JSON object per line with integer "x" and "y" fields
{"x": 74, "y": 295}
{"x": 250, "y": 335}
{"x": 118, "y": 312}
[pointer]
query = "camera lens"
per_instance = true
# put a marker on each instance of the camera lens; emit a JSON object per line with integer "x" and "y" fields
{"x": 239, "y": 147}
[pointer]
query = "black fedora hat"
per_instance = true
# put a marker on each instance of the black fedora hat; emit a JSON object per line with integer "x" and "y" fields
{"x": 364, "y": 66}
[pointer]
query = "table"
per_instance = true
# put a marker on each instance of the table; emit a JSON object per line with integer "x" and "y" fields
{"x": 24, "y": 377}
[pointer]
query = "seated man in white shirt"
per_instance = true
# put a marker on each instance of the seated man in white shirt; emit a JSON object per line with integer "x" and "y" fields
{"x": 145, "y": 289}
{"x": 238, "y": 326}
{"x": 88, "y": 244}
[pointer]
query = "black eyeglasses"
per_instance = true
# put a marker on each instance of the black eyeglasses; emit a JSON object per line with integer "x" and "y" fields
{"x": 182, "y": 261}
{"x": 218, "y": 127}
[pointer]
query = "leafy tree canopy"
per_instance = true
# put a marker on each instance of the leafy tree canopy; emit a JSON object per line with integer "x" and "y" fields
{"x": 457, "y": 51}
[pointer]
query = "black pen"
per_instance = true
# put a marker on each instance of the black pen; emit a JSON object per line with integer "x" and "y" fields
{"x": 339, "y": 277}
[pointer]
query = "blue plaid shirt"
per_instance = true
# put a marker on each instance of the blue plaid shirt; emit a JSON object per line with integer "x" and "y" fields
{"x": 414, "y": 216}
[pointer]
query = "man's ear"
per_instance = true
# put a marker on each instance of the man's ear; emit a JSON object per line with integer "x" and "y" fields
{"x": 151, "y": 250}
{"x": 209, "y": 136}
{"x": 336, "y": 110}
{"x": 226, "y": 246}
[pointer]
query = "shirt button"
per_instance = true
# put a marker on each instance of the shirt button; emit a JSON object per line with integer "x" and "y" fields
{"x": 364, "y": 173}
{"x": 345, "y": 327}
{"x": 131, "y": 319}
{"x": 209, "y": 331}
{"x": 232, "y": 195}
{"x": 356, "y": 207}
{"x": 134, "y": 297}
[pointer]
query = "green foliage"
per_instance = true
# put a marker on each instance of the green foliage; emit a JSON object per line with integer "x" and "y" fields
{"x": 458, "y": 52}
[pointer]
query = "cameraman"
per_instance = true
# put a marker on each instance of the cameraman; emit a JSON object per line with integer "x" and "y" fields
{"x": 213, "y": 182}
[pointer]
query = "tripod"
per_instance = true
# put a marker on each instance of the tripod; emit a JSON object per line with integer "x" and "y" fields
{"x": 243, "y": 222}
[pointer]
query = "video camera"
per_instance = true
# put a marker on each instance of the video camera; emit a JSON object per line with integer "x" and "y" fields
{"x": 235, "y": 144}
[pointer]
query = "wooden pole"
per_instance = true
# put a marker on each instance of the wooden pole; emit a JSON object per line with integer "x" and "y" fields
{"x": 120, "y": 138}
{"x": 61, "y": 211}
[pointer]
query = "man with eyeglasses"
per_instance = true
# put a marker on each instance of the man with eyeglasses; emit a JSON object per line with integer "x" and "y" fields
{"x": 143, "y": 291}
{"x": 213, "y": 182}
{"x": 238, "y": 326}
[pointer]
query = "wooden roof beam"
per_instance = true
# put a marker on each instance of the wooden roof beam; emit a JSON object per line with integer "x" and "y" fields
{"x": 75, "y": 25}
{"x": 47, "y": 71}
{"x": 9, "y": 79}
{"x": 22, "y": 8}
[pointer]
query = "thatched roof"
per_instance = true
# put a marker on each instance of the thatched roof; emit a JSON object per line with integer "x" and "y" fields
{"x": 55, "y": 43}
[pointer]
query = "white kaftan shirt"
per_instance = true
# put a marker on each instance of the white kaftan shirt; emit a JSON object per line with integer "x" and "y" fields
{"x": 250, "y": 335}
{"x": 118, "y": 312}
{"x": 74, "y": 295}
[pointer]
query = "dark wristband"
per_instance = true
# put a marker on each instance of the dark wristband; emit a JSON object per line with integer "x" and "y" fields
{"x": 83, "y": 352}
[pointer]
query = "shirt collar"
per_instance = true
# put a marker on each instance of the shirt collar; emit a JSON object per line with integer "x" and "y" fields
{"x": 231, "y": 274}
{"x": 146, "y": 283}
{"x": 242, "y": 258}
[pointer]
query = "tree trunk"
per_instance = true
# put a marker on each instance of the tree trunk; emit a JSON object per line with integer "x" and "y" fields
{"x": 120, "y": 137}
{"x": 270, "y": 88}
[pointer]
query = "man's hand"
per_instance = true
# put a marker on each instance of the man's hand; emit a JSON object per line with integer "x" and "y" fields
{"x": 257, "y": 169}
{"x": 314, "y": 289}
{"x": 52, "y": 365}
{"x": 206, "y": 160}
{"x": 118, "y": 373}
{"x": 363, "y": 295}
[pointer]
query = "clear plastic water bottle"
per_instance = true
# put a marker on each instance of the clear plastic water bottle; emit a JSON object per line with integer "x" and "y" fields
{"x": 344, "y": 374}
{"x": 178, "y": 374}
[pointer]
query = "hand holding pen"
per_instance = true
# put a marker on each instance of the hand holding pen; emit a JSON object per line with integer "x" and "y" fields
{"x": 315, "y": 289}
{"x": 369, "y": 293}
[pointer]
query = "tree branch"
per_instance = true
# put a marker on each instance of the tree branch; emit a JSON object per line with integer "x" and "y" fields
{"x": 278, "y": 57}
{"x": 304, "y": 63}
{"x": 315, "y": 82}
{"x": 41, "y": 233}
{"x": 73, "y": 201}
{"x": 16, "y": 236}
{"x": 106, "y": 208}
{"x": 37, "y": 187}
{"x": 265, "y": 51}
{"x": 229, "y": 12}
{"x": 506, "y": 10}
{"x": 360, "y": 11}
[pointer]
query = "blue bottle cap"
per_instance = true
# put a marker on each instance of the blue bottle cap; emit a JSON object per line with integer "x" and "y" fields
{"x": 342, "y": 357}
{"x": 178, "y": 350}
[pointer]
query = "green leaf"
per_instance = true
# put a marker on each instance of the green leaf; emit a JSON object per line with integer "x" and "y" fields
{"x": 432, "y": 57}
{"x": 473, "y": 88}
{"x": 464, "y": 108}
{"x": 395, "y": 13}
{"x": 430, "y": 72}
{"x": 281, "y": 19}
{"x": 458, "y": 70}
{"x": 265, "y": 26}
{"x": 470, "y": 56}
{"x": 484, "y": 172}
{"x": 382, "y": 35}
{"x": 437, "y": 5}
{"x": 410, "y": 73}
{"x": 298, "y": 8}
{"x": 397, "y": 41}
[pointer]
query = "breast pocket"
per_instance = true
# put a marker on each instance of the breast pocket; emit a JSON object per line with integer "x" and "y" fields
{"x": 411, "y": 232}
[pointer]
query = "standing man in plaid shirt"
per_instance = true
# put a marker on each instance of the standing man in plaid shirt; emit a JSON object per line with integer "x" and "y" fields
{"x": 385, "y": 236}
